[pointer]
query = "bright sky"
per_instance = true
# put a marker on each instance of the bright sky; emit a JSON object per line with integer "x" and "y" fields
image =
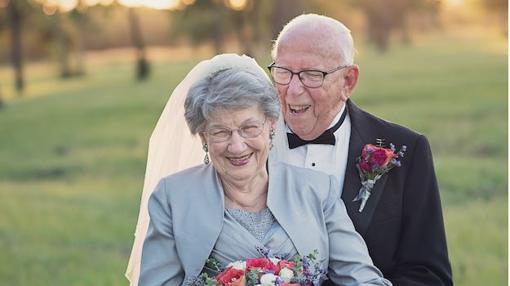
{"x": 453, "y": 3}
{"x": 67, "y": 5}
{"x": 155, "y": 4}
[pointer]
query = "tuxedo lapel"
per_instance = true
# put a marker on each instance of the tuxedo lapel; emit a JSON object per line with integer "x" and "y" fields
{"x": 361, "y": 133}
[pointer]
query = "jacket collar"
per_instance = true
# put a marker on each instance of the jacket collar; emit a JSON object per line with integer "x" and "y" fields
{"x": 207, "y": 221}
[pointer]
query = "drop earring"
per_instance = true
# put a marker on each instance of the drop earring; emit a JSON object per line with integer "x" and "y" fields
{"x": 271, "y": 136}
{"x": 206, "y": 150}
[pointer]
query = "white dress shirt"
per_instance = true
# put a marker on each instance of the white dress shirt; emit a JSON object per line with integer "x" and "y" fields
{"x": 330, "y": 159}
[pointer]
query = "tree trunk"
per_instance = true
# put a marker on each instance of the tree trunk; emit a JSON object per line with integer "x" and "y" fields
{"x": 15, "y": 20}
{"x": 80, "y": 47}
{"x": 244, "y": 35}
{"x": 2, "y": 104}
{"x": 142, "y": 65}
{"x": 283, "y": 12}
{"x": 62, "y": 47}
{"x": 217, "y": 33}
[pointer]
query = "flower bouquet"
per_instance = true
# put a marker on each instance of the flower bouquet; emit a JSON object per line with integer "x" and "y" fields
{"x": 269, "y": 271}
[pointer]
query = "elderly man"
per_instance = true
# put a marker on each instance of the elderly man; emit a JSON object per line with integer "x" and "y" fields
{"x": 401, "y": 221}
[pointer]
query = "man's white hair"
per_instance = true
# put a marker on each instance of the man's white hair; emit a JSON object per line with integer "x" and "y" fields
{"x": 329, "y": 35}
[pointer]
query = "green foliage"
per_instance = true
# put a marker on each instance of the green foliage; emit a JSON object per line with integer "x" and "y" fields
{"x": 72, "y": 157}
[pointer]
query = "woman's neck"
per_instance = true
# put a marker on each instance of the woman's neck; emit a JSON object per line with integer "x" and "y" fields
{"x": 247, "y": 195}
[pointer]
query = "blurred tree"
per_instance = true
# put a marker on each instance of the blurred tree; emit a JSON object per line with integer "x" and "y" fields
{"x": 2, "y": 104}
{"x": 80, "y": 18}
{"x": 142, "y": 64}
{"x": 64, "y": 30}
{"x": 251, "y": 23}
{"x": 202, "y": 21}
{"x": 384, "y": 17}
{"x": 498, "y": 10}
{"x": 17, "y": 10}
{"x": 283, "y": 12}
{"x": 63, "y": 43}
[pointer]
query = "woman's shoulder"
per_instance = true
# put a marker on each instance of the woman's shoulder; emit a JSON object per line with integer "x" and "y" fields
{"x": 187, "y": 181}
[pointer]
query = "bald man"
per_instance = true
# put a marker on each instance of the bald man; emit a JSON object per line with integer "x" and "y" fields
{"x": 401, "y": 222}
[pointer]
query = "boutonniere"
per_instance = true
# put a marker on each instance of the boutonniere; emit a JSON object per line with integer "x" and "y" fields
{"x": 374, "y": 162}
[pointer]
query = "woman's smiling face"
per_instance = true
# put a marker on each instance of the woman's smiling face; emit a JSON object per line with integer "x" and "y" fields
{"x": 238, "y": 158}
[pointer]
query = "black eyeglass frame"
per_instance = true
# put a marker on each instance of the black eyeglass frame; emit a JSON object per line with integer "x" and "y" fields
{"x": 324, "y": 74}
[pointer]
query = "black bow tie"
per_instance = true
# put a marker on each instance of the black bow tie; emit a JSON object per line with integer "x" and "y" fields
{"x": 327, "y": 138}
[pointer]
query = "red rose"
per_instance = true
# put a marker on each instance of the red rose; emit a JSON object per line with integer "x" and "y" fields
{"x": 231, "y": 277}
{"x": 381, "y": 157}
{"x": 363, "y": 164}
{"x": 286, "y": 263}
{"x": 367, "y": 149}
{"x": 262, "y": 263}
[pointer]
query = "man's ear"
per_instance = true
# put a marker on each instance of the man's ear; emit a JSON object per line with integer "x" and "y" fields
{"x": 350, "y": 81}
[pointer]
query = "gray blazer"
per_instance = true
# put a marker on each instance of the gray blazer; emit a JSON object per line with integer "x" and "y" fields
{"x": 186, "y": 217}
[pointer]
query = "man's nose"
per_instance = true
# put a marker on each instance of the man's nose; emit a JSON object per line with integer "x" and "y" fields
{"x": 295, "y": 85}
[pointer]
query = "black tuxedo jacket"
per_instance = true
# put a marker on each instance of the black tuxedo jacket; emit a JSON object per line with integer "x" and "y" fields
{"x": 402, "y": 222}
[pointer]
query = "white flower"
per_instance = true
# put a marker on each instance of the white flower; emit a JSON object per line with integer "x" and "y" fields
{"x": 267, "y": 279}
{"x": 239, "y": 265}
{"x": 274, "y": 260}
{"x": 286, "y": 274}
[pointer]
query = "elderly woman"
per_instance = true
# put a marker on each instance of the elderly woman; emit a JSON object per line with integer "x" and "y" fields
{"x": 237, "y": 201}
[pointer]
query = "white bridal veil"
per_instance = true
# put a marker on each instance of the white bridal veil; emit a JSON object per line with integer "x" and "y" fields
{"x": 172, "y": 147}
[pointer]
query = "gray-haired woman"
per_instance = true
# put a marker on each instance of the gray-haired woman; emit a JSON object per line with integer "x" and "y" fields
{"x": 239, "y": 202}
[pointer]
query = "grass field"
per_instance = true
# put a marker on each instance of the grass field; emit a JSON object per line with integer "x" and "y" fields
{"x": 72, "y": 155}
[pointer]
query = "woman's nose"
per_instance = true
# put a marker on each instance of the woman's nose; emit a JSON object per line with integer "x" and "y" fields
{"x": 236, "y": 143}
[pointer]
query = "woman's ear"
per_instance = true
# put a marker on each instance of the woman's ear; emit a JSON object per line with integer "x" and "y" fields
{"x": 202, "y": 138}
{"x": 272, "y": 123}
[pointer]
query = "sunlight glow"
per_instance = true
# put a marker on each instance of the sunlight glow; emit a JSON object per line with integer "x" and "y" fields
{"x": 51, "y": 6}
{"x": 96, "y": 2}
{"x": 67, "y": 5}
{"x": 454, "y": 3}
{"x": 154, "y": 4}
{"x": 237, "y": 5}
{"x": 4, "y": 3}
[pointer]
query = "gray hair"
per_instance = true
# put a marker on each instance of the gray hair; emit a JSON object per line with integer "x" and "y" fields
{"x": 334, "y": 36}
{"x": 229, "y": 89}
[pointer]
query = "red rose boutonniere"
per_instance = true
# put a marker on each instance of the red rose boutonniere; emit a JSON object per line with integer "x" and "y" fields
{"x": 374, "y": 162}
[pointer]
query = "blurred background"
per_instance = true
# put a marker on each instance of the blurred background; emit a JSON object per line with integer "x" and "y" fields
{"x": 83, "y": 82}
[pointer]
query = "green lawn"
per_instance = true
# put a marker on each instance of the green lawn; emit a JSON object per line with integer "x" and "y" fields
{"x": 72, "y": 156}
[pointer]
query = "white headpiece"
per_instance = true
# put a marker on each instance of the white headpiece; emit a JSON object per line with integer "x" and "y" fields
{"x": 172, "y": 147}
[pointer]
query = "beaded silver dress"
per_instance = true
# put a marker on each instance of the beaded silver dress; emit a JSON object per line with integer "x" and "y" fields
{"x": 243, "y": 232}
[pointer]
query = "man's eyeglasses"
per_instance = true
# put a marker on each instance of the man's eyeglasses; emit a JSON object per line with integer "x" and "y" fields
{"x": 309, "y": 78}
{"x": 222, "y": 134}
